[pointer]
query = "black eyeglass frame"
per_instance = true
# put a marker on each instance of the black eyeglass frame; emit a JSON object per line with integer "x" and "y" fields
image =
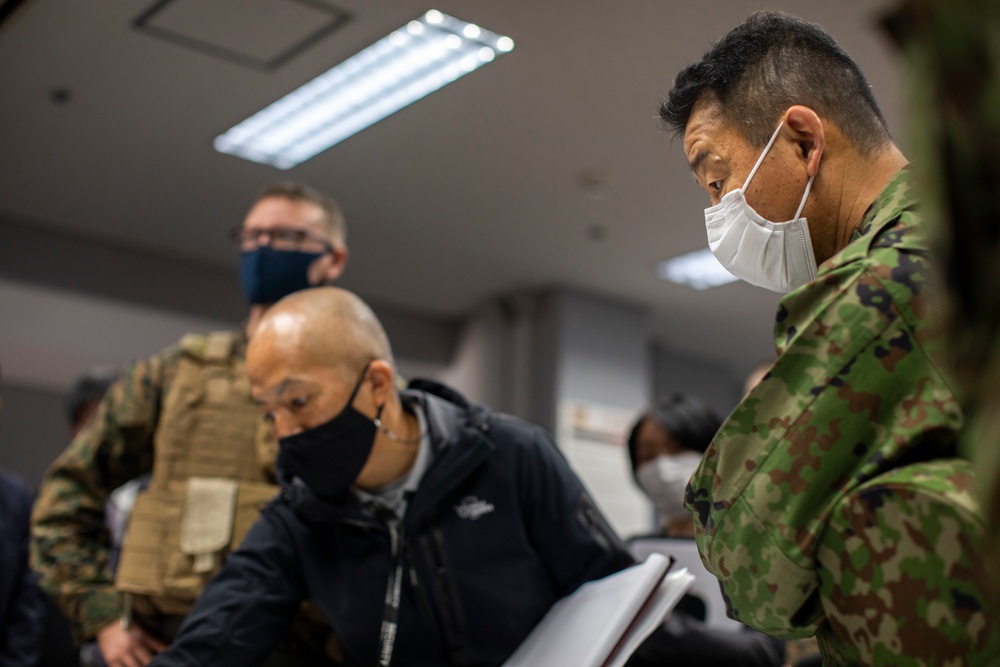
{"x": 238, "y": 236}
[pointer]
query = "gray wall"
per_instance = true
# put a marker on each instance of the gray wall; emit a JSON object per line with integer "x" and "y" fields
{"x": 716, "y": 383}
{"x": 603, "y": 351}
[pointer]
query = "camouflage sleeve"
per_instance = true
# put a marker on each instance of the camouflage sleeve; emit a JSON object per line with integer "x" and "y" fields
{"x": 897, "y": 581}
{"x": 70, "y": 540}
{"x": 851, "y": 392}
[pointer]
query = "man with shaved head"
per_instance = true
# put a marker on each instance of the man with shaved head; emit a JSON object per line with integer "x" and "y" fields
{"x": 427, "y": 529}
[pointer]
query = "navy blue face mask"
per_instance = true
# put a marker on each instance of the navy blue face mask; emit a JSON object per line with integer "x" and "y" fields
{"x": 269, "y": 275}
{"x": 329, "y": 457}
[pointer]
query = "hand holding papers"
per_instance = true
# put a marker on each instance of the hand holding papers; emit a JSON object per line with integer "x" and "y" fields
{"x": 604, "y": 621}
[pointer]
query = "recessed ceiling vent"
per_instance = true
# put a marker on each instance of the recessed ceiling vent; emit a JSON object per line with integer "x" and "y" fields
{"x": 262, "y": 34}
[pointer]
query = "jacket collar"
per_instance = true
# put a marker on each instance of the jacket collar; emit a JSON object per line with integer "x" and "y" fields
{"x": 457, "y": 439}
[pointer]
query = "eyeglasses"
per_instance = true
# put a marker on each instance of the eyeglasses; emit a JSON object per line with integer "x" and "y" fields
{"x": 279, "y": 238}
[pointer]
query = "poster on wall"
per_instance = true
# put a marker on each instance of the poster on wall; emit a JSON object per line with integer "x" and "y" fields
{"x": 593, "y": 438}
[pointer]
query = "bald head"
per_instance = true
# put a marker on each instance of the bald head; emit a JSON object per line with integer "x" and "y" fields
{"x": 324, "y": 326}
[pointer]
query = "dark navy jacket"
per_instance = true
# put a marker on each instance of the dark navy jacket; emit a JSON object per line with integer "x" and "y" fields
{"x": 498, "y": 530}
{"x": 22, "y": 605}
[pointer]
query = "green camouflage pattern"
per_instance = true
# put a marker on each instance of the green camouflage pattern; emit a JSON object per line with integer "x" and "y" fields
{"x": 919, "y": 523}
{"x": 853, "y": 395}
{"x": 70, "y": 541}
{"x": 952, "y": 54}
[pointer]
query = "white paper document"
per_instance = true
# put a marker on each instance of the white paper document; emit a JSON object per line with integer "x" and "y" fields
{"x": 604, "y": 621}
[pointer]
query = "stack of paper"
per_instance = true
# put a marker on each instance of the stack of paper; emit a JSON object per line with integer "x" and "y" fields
{"x": 604, "y": 621}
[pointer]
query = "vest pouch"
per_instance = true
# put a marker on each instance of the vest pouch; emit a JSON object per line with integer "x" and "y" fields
{"x": 207, "y": 520}
{"x": 152, "y": 561}
{"x": 178, "y": 536}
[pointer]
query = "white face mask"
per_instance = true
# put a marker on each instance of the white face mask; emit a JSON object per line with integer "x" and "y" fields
{"x": 775, "y": 255}
{"x": 664, "y": 479}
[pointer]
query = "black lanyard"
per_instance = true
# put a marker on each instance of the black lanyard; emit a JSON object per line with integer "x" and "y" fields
{"x": 393, "y": 591}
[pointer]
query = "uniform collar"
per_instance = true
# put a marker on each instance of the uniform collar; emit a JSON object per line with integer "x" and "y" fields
{"x": 896, "y": 197}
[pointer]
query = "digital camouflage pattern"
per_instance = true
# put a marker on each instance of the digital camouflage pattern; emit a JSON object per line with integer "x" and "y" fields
{"x": 823, "y": 443}
{"x": 70, "y": 540}
{"x": 952, "y": 50}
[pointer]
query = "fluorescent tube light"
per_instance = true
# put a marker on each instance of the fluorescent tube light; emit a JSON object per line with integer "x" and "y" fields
{"x": 412, "y": 62}
{"x": 698, "y": 269}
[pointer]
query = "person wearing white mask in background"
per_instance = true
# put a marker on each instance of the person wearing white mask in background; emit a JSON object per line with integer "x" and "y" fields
{"x": 665, "y": 446}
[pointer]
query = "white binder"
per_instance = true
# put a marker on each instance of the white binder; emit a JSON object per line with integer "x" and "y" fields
{"x": 603, "y": 622}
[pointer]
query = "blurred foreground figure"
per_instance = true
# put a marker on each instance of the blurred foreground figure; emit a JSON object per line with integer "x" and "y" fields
{"x": 952, "y": 48}
{"x": 428, "y": 530}
{"x": 186, "y": 416}
{"x": 832, "y": 501}
{"x": 22, "y": 603}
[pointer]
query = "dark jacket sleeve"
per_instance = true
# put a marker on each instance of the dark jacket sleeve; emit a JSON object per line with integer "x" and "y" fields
{"x": 22, "y": 609}
{"x": 247, "y": 607}
{"x": 571, "y": 536}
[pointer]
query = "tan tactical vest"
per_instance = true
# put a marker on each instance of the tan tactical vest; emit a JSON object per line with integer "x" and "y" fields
{"x": 214, "y": 457}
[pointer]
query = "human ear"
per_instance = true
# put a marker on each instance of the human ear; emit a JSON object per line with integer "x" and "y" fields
{"x": 805, "y": 128}
{"x": 332, "y": 264}
{"x": 383, "y": 377}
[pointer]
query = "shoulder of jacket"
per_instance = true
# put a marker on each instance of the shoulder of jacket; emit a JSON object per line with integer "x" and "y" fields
{"x": 216, "y": 346}
{"x": 510, "y": 431}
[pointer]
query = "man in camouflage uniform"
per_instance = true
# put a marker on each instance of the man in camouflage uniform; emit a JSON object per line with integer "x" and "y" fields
{"x": 189, "y": 410}
{"x": 954, "y": 76}
{"x": 832, "y": 501}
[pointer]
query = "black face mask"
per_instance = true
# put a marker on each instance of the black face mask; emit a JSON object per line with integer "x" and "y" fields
{"x": 329, "y": 457}
{"x": 270, "y": 275}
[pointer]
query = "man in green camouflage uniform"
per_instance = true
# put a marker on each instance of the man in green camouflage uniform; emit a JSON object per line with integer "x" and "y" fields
{"x": 831, "y": 501}
{"x": 193, "y": 395}
{"x": 951, "y": 49}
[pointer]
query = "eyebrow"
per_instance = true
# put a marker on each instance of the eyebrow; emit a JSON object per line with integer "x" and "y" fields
{"x": 698, "y": 159}
{"x": 284, "y": 385}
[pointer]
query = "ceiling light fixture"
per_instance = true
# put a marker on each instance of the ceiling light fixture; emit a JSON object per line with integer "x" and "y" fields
{"x": 698, "y": 269}
{"x": 412, "y": 62}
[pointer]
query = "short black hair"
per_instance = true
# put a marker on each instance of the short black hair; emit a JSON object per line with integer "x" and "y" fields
{"x": 688, "y": 419}
{"x": 87, "y": 390}
{"x": 769, "y": 63}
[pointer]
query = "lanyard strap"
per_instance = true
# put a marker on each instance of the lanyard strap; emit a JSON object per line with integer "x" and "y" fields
{"x": 390, "y": 610}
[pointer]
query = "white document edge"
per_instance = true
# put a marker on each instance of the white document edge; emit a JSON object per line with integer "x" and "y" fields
{"x": 666, "y": 597}
{"x": 552, "y": 635}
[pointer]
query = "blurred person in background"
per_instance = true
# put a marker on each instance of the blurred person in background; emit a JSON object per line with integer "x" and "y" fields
{"x": 184, "y": 415}
{"x": 85, "y": 395}
{"x": 81, "y": 401}
{"x": 665, "y": 446}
